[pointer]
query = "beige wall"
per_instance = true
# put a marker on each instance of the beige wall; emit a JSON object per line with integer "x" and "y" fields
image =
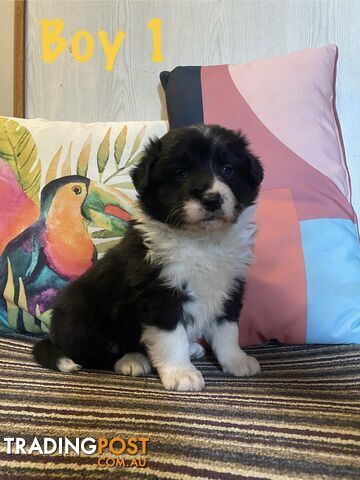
{"x": 195, "y": 32}
{"x": 6, "y": 56}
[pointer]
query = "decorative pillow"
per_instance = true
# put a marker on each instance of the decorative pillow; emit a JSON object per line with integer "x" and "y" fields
{"x": 305, "y": 284}
{"x": 65, "y": 198}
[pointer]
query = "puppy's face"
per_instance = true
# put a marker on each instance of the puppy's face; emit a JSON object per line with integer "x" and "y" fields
{"x": 197, "y": 178}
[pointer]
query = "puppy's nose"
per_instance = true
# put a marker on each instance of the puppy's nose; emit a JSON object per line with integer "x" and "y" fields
{"x": 212, "y": 201}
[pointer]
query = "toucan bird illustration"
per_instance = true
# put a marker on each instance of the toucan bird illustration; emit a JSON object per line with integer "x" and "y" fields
{"x": 58, "y": 247}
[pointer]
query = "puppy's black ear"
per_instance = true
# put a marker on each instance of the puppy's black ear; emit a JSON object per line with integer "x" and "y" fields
{"x": 256, "y": 169}
{"x": 140, "y": 174}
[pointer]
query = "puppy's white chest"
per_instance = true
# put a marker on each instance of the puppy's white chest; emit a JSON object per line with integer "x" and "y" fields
{"x": 206, "y": 272}
{"x": 208, "y": 287}
{"x": 204, "y": 268}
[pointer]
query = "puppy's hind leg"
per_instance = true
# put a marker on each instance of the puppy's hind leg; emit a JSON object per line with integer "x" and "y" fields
{"x": 66, "y": 365}
{"x": 51, "y": 356}
{"x": 134, "y": 364}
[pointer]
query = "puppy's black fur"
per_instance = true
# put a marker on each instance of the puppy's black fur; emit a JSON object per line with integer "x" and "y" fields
{"x": 100, "y": 316}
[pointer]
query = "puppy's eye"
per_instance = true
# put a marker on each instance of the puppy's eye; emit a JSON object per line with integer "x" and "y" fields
{"x": 77, "y": 190}
{"x": 181, "y": 173}
{"x": 227, "y": 170}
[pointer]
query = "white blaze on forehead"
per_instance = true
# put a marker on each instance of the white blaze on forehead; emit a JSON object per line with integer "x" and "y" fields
{"x": 195, "y": 211}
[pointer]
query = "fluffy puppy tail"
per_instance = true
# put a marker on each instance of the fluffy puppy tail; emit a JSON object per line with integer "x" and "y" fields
{"x": 49, "y": 355}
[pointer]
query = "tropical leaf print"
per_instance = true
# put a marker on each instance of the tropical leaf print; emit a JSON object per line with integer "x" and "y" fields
{"x": 133, "y": 158}
{"x": 83, "y": 160}
{"x": 103, "y": 234}
{"x": 28, "y": 320}
{"x": 14, "y": 306}
{"x": 103, "y": 153}
{"x": 120, "y": 145}
{"x": 18, "y": 149}
{"x": 124, "y": 185}
{"x": 66, "y": 166}
{"x": 9, "y": 295}
{"x": 52, "y": 169}
{"x": 105, "y": 246}
{"x": 137, "y": 142}
{"x": 45, "y": 318}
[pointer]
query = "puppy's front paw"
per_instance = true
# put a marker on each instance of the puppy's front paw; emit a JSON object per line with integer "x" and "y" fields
{"x": 134, "y": 364}
{"x": 241, "y": 365}
{"x": 187, "y": 379}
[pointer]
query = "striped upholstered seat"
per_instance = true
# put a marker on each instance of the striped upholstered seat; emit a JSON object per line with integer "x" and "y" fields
{"x": 299, "y": 420}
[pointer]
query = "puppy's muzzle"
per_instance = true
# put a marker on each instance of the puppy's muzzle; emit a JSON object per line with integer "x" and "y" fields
{"x": 212, "y": 201}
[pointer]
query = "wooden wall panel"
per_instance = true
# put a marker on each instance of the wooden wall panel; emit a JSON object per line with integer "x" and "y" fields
{"x": 194, "y": 32}
{"x": 6, "y": 57}
{"x": 19, "y": 59}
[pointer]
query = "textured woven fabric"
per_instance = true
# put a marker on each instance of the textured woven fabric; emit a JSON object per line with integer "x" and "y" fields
{"x": 300, "y": 419}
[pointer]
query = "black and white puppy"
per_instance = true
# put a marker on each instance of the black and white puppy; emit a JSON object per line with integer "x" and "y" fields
{"x": 179, "y": 272}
